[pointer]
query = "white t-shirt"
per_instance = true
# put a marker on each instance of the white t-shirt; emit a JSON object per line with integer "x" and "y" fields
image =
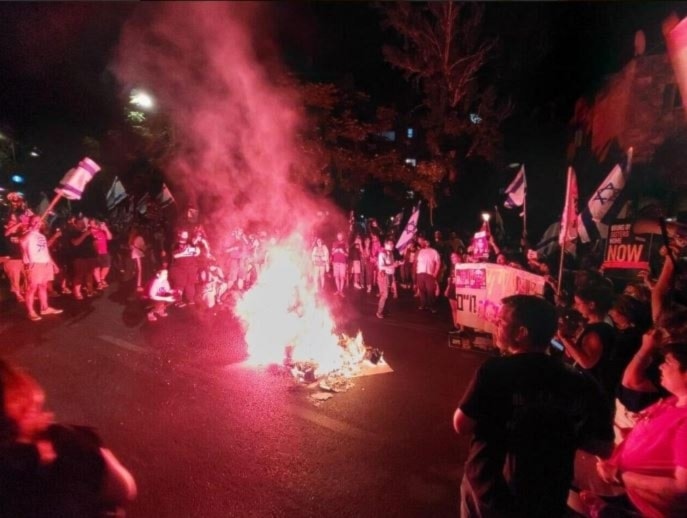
{"x": 427, "y": 261}
{"x": 35, "y": 248}
{"x": 159, "y": 289}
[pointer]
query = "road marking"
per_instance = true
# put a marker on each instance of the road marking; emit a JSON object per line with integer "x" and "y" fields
{"x": 124, "y": 344}
{"x": 335, "y": 425}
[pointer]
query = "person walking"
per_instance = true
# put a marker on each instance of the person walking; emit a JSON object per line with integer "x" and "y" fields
{"x": 427, "y": 264}
{"x": 386, "y": 264}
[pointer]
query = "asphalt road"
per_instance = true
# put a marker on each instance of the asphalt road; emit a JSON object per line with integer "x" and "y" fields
{"x": 206, "y": 436}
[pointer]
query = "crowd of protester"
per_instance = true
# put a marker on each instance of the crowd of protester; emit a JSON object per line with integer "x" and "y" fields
{"x": 619, "y": 375}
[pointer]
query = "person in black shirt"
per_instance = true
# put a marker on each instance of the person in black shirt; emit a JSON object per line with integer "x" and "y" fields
{"x": 527, "y": 413}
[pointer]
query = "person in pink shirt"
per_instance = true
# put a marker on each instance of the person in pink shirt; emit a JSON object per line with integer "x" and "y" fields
{"x": 101, "y": 237}
{"x": 651, "y": 463}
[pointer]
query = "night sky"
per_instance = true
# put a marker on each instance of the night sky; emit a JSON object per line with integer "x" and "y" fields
{"x": 56, "y": 86}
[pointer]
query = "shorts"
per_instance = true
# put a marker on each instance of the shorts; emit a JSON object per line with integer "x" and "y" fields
{"x": 103, "y": 261}
{"x": 339, "y": 269}
{"x": 40, "y": 273}
{"x": 355, "y": 266}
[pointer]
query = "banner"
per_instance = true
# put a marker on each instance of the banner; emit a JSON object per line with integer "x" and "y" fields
{"x": 481, "y": 287}
{"x": 625, "y": 250}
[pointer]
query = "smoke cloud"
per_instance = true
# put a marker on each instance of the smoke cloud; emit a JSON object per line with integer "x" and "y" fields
{"x": 215, "y": 76}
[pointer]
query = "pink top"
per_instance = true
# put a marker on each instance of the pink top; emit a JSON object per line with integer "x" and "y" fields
{"x": 655, "y": 447}
{"x": 100, "y": 241}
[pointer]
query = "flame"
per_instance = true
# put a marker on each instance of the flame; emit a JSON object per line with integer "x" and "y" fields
{"x": 283, "y": 314}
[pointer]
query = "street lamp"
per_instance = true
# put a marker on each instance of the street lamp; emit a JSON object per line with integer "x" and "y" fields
{"x": 142, "y": 99}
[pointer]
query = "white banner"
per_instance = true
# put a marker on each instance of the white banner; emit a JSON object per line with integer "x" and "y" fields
{"x": 481, "y": 286}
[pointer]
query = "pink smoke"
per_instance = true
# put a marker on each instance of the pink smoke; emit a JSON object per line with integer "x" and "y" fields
{"x": 235, "y": 123}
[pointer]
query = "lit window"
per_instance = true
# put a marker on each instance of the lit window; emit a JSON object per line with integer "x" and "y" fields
{"x": 411, "y": 161}
{"x": 410, "y": 133}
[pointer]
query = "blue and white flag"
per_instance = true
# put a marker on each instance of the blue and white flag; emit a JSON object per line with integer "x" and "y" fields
{"x": 74, "y": 182}
{"x": 410, "y": 231}
{"x": 115, "y": 194}
{"x": 604, "y": 205}
{"x": 165, "y": 198}
{"x": 516, "y": 191}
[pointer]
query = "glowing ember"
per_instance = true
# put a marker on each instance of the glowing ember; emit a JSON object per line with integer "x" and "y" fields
{"x": 284, "y": 318}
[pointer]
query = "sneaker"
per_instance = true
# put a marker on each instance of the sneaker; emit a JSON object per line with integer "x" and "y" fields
{"x": 78, "y": 297}
{"x": 152, "y": 317}
{"x": 104, "y": 284}
{"x": 51, "y": 311}
{"x": 139, "y": 289}
{"x": 369, "y": 289}
{"x": 20, "y": 298}
{"x": 66, "y": 291}
{"x": 181, "y": 304}
{"x": 379, "y": 315}
{"x": 433, "y": 311}
{"x": 34, "y": 317}
{"x": 358, "y": 287}
{"x": 163, "y": 314}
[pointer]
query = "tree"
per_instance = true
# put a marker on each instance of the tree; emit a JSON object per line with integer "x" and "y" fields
{"x": 442, "y": 52}
{"x": 342, "y": 139}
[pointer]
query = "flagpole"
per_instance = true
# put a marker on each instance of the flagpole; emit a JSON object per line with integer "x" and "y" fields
{"x": 54, "y": 202}
{"x": 524, "y": 217}
{"x": 564, "y": 231}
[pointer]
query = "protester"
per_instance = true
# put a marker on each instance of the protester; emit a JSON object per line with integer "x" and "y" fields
{"x": 651, "y": 463}
{"x": 184, "y": 271}
{"x": 213, "y": 285}
{"x": 15, "y": 227}
{"x": 355, "y": 257}
{"x": 320, "y": 262}
{"x": 40, "y": 269}
{"x": 51, "y": 470}
{"x": 428, "y": 264}
{"x": 527, "y": 413}
{"x": 593, "y": 346}
{"x": 85, "y": 254}
{"x": 386, "y": 263}
{"x": 161, "y": 294}
{"x": 101, "y": 236}
{"x": 137, "y": 247}
{"x": 339, "y": 255}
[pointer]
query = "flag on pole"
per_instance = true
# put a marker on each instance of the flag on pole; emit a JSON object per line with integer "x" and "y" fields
{"x": 410, "y": 230}
{"x": 165, "y": 198}
{"x": 605, "y": 204}
{"x": 115, "y": 194}
{"x": 74, "y": 182}
{"x": 516, "y": 191}
{"x": 569, "y": 221}
{"x": 548, "y": 243}
{"x": 142, "y": 204}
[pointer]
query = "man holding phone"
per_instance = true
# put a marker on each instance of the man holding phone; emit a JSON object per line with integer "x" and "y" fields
{"x": 527, "y": 413}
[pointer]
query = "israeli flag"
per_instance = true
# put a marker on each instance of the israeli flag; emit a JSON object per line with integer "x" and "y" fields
{"x": 116, "y": 194}
{"x": 604, "y": 205}
{"x": 516, "y": 191}
{"x": 74, "y": 182}
{"x": 165, "y": 198}
{"x": 409, "y": 232}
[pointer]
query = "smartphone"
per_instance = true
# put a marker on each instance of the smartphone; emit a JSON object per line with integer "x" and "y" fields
{"x": 557, "y": 345}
